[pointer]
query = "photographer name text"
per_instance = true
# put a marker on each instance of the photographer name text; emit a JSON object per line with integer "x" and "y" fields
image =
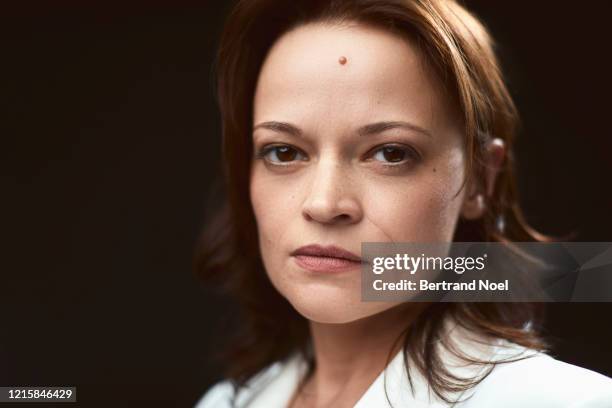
{"x": 425, "y": 285}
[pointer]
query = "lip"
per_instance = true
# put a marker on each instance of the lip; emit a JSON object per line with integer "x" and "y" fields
{"x": 327, "y": 259}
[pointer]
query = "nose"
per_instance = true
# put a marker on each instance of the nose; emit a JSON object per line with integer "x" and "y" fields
{"x": 332, "y": 197}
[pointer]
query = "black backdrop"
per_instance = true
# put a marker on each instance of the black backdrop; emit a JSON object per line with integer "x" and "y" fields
{"x": 110, "y": 139}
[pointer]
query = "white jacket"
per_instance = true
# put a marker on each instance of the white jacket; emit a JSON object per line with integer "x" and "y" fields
{"x": 538, "y": 381}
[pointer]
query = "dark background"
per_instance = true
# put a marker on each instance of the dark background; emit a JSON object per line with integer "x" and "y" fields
{"x": 110, "y": 140}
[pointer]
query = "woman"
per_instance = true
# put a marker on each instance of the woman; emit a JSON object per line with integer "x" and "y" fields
{"x": 369, "y": 121}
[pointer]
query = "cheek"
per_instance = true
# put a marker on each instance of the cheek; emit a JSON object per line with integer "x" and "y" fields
{"x": 423, "y": 207}
{"x": 277, "y": 212}
{"x": 275, "y": 206}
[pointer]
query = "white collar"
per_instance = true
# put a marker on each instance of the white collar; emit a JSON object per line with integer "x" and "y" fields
{"x": 275, "y": 386}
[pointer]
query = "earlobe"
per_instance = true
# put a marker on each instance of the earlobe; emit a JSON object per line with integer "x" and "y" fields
{"x": 475, "y": 204}
{"x": 474, "y": 207}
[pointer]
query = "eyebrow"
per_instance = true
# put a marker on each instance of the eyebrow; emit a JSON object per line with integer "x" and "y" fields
{"x": 380, "y": 127}
{"x": 370, "y": 129}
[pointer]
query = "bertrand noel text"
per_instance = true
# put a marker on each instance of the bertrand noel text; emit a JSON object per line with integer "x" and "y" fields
{"x": 476, "y": 284}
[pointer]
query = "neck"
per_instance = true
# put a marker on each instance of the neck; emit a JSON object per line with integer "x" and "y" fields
{"x": 350, "y": 356}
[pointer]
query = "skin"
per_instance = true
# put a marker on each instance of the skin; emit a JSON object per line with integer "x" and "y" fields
{"x": 330, "y": 183}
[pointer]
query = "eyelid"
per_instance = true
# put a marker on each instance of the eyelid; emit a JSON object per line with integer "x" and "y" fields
{"x": 416, "y": 155}
{"x": 263, "y": 151}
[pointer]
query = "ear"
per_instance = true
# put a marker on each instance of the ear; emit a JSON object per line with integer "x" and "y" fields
{"x": 474, "y": 205}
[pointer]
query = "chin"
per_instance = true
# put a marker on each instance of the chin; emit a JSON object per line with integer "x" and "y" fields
{"x": 331, "y": 306}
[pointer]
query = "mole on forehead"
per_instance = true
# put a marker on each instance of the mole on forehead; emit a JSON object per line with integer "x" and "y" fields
{"x": 342, "y": 60}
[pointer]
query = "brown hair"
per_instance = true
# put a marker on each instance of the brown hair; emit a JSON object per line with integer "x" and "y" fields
{"x": 460, "y": 49}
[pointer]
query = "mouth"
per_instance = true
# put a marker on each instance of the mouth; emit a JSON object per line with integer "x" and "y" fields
{"x": 317, "y": 258}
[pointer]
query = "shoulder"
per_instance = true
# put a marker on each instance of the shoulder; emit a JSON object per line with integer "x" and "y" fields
{"x": 225, "y": 394}
{"x": 272, "y": 386}
{"x": 542, "y": 381}
{"x": 219, "y": 395}
{"x": 523, "y": 377}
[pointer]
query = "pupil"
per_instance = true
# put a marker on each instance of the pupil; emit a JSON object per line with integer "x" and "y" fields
{"x": 392, "y": 154}
{"x": 285, "y": 153}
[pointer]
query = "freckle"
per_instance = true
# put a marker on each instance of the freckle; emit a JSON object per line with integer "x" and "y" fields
{"x": 342, "y": 60}
{"x": 434, "y": 169}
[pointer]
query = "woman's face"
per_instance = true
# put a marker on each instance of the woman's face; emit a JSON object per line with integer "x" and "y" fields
{"x": 354, "y": 141}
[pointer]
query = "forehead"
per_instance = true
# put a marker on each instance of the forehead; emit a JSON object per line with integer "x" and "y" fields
{"x": 331, "y": 71}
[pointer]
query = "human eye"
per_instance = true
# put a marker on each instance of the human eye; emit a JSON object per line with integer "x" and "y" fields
{"x": 280, "y": 154}
{"x": 394, "y": 155}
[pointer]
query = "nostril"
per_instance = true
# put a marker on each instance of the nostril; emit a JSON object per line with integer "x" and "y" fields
{"x": 330, "y": 210}
{"x": 343, "y": 217}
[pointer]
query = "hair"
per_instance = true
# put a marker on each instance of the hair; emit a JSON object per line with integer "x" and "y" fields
{"x": 461, "y": 51}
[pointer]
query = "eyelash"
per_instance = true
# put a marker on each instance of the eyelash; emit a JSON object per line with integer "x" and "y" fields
{"x": 411, "y": 153}
{"x": 264, "y": 151}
